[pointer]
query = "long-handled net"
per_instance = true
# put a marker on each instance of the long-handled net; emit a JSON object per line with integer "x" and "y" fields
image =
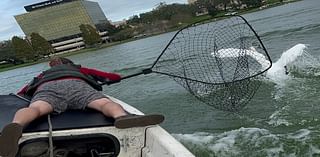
{"x": 219, "y": 62}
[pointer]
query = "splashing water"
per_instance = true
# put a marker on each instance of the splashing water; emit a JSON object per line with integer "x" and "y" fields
{"x": 277, "y": 72}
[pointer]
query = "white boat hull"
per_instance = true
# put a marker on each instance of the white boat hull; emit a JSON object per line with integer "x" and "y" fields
{"x": 151, "y": 141}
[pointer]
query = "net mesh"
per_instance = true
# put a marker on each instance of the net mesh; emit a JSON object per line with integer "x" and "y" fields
{"x": 219, "y": 62}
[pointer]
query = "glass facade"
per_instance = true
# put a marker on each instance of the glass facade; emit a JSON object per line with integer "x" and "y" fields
{"x": 95, "y": 12}
{"x": 61, "y": 21}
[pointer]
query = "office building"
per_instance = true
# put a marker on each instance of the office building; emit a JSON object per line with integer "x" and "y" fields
{"x": 58, "y": 21}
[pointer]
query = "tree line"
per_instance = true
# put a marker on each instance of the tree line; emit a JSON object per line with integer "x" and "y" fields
{"x": 171, "y": 17}
{"x": 19, "y": 50}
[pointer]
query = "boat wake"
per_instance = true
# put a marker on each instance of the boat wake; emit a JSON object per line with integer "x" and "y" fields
{"x": 245, "y": 142}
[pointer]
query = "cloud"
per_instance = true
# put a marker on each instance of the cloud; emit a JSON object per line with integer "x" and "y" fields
{"x": 8, "y": 25}
{"x": 120, "y": 9}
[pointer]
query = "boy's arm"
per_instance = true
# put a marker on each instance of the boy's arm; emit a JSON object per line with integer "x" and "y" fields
{"x": 98, "y": 73}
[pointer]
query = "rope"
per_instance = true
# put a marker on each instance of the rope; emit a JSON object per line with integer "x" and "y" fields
{"x": 50, "y": 136}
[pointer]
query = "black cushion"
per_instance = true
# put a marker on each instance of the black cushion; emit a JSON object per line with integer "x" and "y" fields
{"x": 72, "y": 119}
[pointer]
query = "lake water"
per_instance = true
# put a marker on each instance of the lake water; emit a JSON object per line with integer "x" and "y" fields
{"x": 283, "y": 118}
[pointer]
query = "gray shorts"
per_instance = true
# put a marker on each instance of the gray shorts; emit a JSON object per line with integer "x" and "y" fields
{"x": 67, "y": 94}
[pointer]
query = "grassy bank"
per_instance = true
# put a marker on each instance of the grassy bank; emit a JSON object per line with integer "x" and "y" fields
{"x": 6, "y": 67}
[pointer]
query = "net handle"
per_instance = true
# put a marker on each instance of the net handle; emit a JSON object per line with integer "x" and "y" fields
{"x": 144, "y": 71}
{"x": 149, "y": 70}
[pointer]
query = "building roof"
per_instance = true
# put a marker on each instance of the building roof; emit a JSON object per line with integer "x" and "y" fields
{"x": 45, "y": 4}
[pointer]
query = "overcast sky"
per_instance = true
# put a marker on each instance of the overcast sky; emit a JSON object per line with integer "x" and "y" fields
{"x": 115, "y": 10}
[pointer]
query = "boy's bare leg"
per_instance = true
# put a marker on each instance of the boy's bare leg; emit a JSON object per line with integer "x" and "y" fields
{"x": 35, "y": 110}
{"x": 12, "y": 132}
{"x": 122, "y": 119}
{"x": 108, "y": 107}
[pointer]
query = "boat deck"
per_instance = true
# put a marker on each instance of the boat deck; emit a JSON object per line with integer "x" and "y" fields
{"x": 82, "y": 130}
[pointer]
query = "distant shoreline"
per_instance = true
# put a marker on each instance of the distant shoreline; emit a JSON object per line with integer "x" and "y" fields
{"x": 240, "y": 12}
